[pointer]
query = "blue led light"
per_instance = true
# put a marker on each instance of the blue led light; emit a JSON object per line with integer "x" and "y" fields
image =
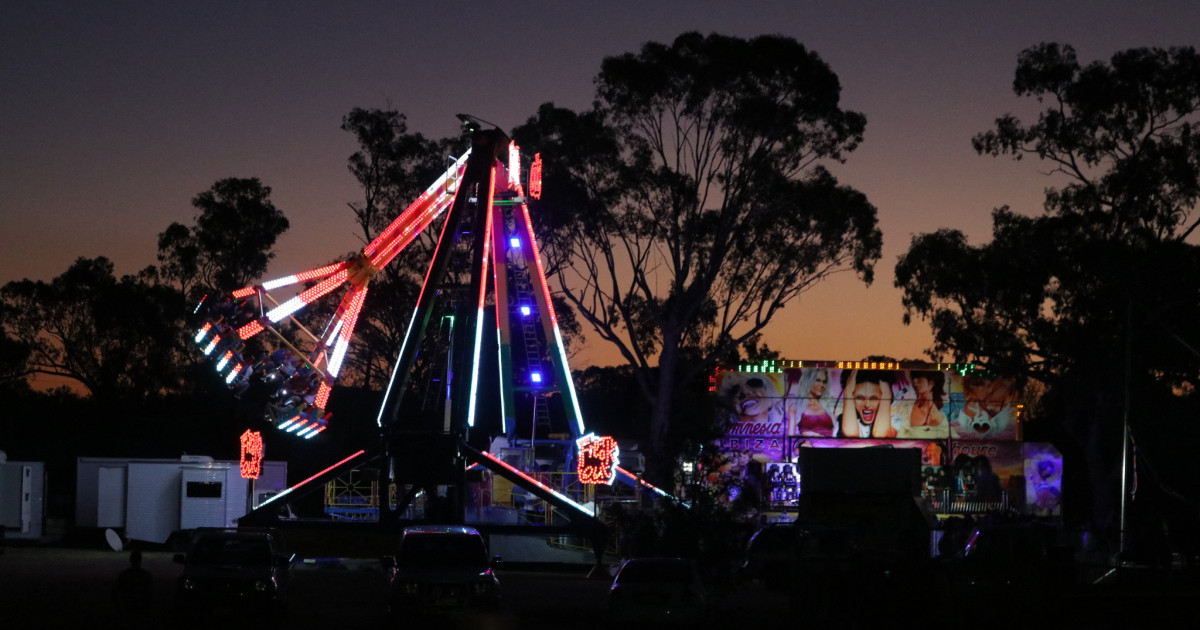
{"x": 525, "y": 310}
{"x": 514, "y": 243}
{"x": 536, "y": 377}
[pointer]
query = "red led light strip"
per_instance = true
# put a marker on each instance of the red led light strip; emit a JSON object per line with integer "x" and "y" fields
{"x": 535, "y": 482}
{"x": 537, "y": 258}
{"x": 415, "y": 209}
{"x": 349, "y": 320}
{"x": 321, "y": 272}
{"x": 308, "y": 296}
{"x": 420, "y": 222}
{"x": 312, "y": 294}
{"x": 249, "y": 330}
{"x": 646, "y": 483}
{"x": 407, "y": 227}
{"x": 285, "y": 492}
{"x": 284, "y": 281}
{"x": 323, "y": 392}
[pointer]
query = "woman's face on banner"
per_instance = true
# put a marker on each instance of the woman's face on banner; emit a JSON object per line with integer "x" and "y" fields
{"x": 748, "y": 395}
{"x": 866, "y": 401}
{"x": 819, "y": 385}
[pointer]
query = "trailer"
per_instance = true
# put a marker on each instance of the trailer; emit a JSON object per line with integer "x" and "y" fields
{"x": 152, "y": 499}
{"x": 22, "y": 499}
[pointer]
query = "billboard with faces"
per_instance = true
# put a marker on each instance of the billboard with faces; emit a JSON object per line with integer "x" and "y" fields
{"x": 756, "y": 428}
{"x": 853, "y": 403}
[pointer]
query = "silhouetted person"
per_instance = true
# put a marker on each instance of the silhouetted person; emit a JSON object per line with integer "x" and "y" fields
{"x": 599, "y": 544}
{"x": 135, "y": 592}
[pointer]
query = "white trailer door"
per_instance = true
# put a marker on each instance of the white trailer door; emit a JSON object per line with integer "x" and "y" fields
{"x": 12, "y": 500}
{"x": 110, "y": 496}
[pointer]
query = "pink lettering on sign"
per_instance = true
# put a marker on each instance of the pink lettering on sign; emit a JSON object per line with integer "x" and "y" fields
{"x": 975, "y": 449}
{"x": 756, "y": 428}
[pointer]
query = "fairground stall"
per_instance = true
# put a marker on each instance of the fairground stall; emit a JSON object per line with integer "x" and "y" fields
{"x": 962, "y": 425}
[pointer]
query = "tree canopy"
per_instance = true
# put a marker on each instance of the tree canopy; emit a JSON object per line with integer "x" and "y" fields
{"x": 122, "y": 339}
{"x": 118, "y": 338}
{"x": 231, "y": 242}
{"x": 689, "y": 205}
{"x": 14, "y": 357}
{"x": 1095, "y": 296}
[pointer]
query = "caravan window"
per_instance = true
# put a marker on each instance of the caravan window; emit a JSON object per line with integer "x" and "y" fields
{"x": 204, "y": 489}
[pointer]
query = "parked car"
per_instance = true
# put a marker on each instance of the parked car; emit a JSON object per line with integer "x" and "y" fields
{"x": 657, "y": 591}
{"x": 234, "y": 573}
{"x": 770, "y": 554}
{"x": 787, "y": 555}
{"x": 1017, "y": 562}
{"x": 442, "y": 568}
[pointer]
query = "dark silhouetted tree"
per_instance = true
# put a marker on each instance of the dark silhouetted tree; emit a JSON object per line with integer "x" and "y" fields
{"x": 118, "y": 338}
{"x": 690, "y": 205}
{"x": 231, "y": 242}
{"x": 14, "y": 359}
{"x": 1097, "y": 296}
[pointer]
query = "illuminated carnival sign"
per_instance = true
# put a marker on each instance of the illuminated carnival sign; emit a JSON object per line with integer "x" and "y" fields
{"x": 597, "y": 460}
{"x": 252, "y": 454}
{"x": 535, "y": 177}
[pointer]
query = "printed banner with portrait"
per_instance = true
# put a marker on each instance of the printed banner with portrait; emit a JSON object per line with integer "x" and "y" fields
{"x": 984, "y": 409}
{"x": 985, "y": 476}
{"x": 757, "y": 425}
{"x": 856, "y": 403}
{"x": 1043, "y": 479}
{"x": 966, "y": 428}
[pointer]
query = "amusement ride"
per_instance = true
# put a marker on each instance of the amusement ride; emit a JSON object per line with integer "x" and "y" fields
{"x": 486, "y": 267}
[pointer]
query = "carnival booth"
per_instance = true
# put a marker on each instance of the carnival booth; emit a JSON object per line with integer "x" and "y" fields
{"x": 963, "y": 425}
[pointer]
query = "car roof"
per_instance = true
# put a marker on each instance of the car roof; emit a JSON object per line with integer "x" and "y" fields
{"x": 659, "y": 561}
{"x": 441, "y": 529}
{"x": 234, "y": 533}
{"x": 655, "y": 570}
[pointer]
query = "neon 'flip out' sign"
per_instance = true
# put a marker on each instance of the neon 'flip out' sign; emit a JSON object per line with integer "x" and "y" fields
{"x": 597, "y": 459}
{"x": 252, "y": 454}
{"x": 535, "y": 177}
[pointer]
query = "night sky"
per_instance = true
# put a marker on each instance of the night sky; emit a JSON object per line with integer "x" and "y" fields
{"x": 113, "y": 115}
